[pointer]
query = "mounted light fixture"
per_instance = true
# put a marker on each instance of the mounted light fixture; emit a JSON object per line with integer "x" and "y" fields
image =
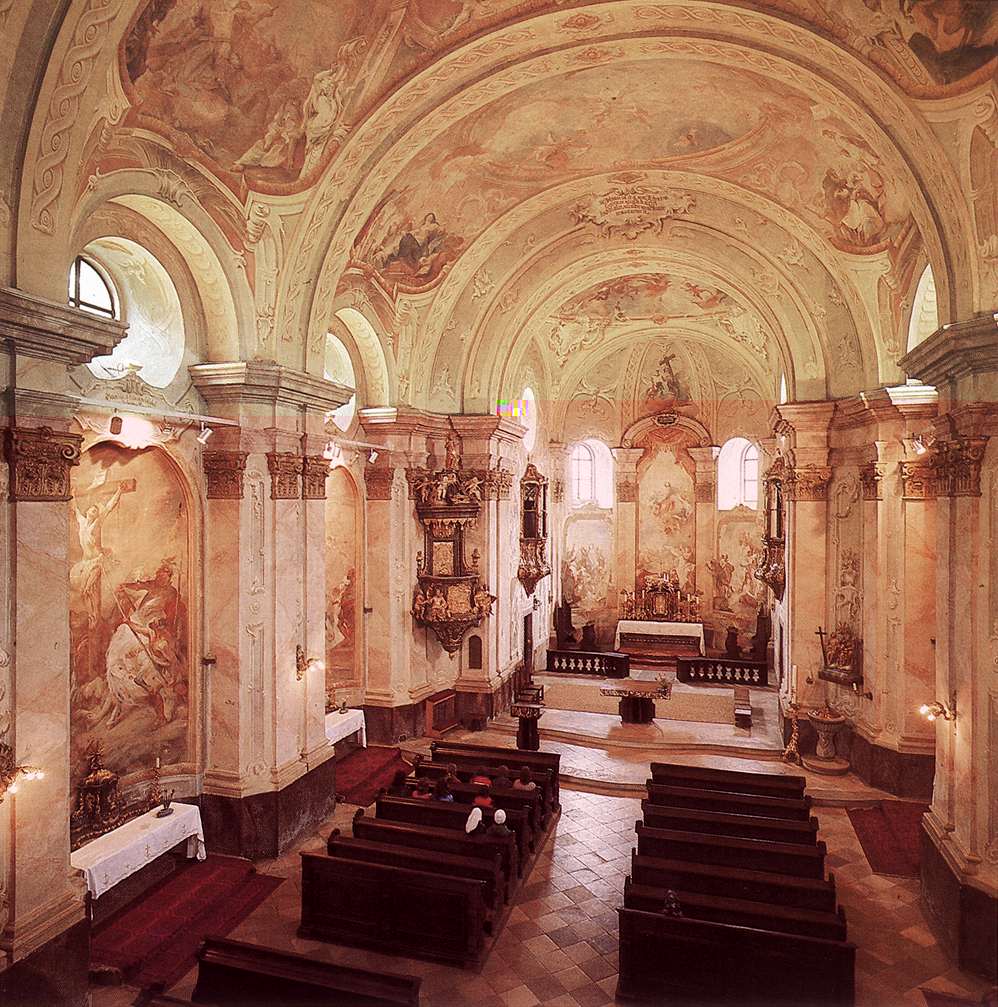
{"x": 206, "y": 432}
{"x": 303, "y": 663}
{"x": 934, "y": 710}
{"x": 922, "y": 442}
{"x": 115, "y": 424}
{"x": 11, "y": 772}
{"x": 373, "y": 456}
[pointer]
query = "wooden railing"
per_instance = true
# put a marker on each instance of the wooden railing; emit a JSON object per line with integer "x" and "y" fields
{"x": 721, "y": 671}
{"x": 604, "y": 664}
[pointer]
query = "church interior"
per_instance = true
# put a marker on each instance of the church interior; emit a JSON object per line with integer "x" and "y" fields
{"x": 500, "y": 502}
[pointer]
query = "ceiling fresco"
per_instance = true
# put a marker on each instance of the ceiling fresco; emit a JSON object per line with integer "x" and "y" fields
{"x": 265, "y": 100}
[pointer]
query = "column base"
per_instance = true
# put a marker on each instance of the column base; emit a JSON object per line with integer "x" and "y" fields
{"x": 966, "y": 917}
{"x": 264, "y": 825}
{"x": 56, "y": 974}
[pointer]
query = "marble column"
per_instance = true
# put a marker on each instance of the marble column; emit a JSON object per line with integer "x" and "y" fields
{"x": 41, "y": 897}
{"x": 625, "y": 524}
{"x": 268, "y": 774}
{"x": 705, "y": 493}
{"x": 960, "y": 832}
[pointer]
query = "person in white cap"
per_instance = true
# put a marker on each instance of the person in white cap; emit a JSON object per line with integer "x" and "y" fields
{"x": 499, "y": 826}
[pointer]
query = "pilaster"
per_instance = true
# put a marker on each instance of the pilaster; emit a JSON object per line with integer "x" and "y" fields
{"x": 625, "y": 529}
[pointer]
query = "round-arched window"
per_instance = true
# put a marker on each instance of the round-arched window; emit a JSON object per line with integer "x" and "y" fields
{"x": 339, "y": 368}
{"x": 529, "y": 418}
{"x": 90, "y": 290}
{"x": 738, "y": 474}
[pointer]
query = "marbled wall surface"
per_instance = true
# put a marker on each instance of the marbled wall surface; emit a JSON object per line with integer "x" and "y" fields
{"x": 342, "y": 528}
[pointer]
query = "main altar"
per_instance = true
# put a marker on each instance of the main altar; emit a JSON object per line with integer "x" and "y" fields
{"x": 657, "y": 615}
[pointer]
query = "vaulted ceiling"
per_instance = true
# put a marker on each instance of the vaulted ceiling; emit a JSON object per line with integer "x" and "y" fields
{"x": 477, "y": 194}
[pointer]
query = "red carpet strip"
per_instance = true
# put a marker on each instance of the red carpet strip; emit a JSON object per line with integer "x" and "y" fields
{"x": 889, "y": 835}
{"x": 155, "y": 940}
{"x": 364, "y": 772}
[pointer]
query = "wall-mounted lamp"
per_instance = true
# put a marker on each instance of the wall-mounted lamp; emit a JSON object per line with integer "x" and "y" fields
{"x": 303, "y": 663}
{"x": 11, "y": 772}
{"x": 931, "y": 711}
{"x": 373, "y": 456}
{"x": 922, "y": 442}
{"x": 206, "y": 432}
{"x": 115, "y": 424}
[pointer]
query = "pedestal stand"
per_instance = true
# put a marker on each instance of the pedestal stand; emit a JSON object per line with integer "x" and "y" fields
{"x": 826, "y": 723}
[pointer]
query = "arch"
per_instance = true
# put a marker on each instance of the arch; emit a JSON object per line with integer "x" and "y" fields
{"x": 637, "y": 432}
{"x": 377, "y": 381}
{"x": 339, "y": 368}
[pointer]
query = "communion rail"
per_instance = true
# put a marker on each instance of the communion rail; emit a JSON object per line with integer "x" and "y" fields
{"x": 721, "y": 671}
{"x": 604, "y": 664}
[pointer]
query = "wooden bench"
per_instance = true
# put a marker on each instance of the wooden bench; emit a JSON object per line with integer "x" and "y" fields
{"x": 392, "y": 909}
{"x": 443, "y": 814}
{"x": 734, "y": 882}
{"x": 739, "y": 912}
{"x": 743, "y": 706}
{"x": 442, "y": 840}
{"x": 503, "y": 797}
{"x": 465, "y": 771}
{"x": 778, "y": 830}
{"x": 352, "y": 848}
{"x": 537, "y": 762}
{"x": 234, "y": 973}
{"x": 731, "y": 781}
{"x": 679, "y": 960}
{"x": 798, "y": 809}
{"x": 725, "y": 851}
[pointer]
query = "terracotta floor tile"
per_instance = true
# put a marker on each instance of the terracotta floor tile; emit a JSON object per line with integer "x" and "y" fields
{"x": 519, "y": 996}
{"x": 581, "y": 951}
{"x": 573, "y": 978}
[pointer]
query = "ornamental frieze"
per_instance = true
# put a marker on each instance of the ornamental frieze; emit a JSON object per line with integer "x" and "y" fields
{"x": 315, "y": 469}
{"x": 285, "y": 469}
{"x": 40, "y": 460}
{"x": 224, "y": 474}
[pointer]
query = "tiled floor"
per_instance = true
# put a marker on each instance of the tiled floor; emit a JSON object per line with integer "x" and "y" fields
{"x": 559, "y": 945}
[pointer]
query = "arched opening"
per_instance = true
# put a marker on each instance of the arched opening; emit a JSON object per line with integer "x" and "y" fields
{"x": 738, "y": 475}
{"x": 590, "y": 474}
{"x": 338, "y": 367}
{"x": 924, "y": 310}
{"x": 90, "y": 289}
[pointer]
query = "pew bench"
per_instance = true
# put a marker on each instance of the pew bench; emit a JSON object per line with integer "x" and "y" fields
{"x": 728, "y": 780}
{"x": 442, "y": 840}
{"x": 352, "y": 848}
{"x": 724, "y": 851}
{"x": 537, "y": 762}
{"x": 740, "y": 912}
{"x": 502, "y": 797}
{"x": 798, "y": 809}
{"x": 392, "y": 909}
{"x": 817, "y": 894}
{"x": 464, "y": 772}
{"x": 233, "y": 973}
{"x": 779, "y": 830}
{"x": 676, "y": 959}
{"x": 443, "y": 814}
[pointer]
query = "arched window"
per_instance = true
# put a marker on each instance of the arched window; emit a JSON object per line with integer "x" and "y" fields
{"x": 924, "y": 311}
{"x": 529, "y": 419}
{"x": 582, "y": 474}
{"x": 339, "y": 368}
{"x": 738, "y": 475}
{"x": 90, "y": 290}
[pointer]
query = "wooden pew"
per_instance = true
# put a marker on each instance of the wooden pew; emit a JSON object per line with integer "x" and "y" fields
{"x": 731, "y": 781}
{"x": 778, "y": 830}
{"x": 232, "y": 973}
{"x": 445, "y": 815}
{"x": 734, "y": 804}
{"x": 739, "y": 912}
{"x": 442, "y": 840}
{"x": 434, "y": 770}
{"x": 537, "y": 762}
{"x": 688, "y": 961}
{"x": 734, "y": 882}
{"x": 503, "y": 797}
{"x": 352, "y": 848}
{"x": 724, "y": 851}
{"x": 392, "y": 909}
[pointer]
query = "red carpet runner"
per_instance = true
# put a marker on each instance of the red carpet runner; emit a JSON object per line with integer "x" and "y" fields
{"x": 363, "y": 773}
{"x": 889, "y": 835}
{"x": 156, "y": 939}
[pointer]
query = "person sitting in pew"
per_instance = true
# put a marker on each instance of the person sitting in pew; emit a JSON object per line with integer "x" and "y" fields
{"x": 483, "y": 799}
{"x": 398, "y": 787}
{"x": 441, "y": 791}
{"x": 499, "y": 826}
{"x": 475, "y": 825}
{"x": 525, "y": 781}
{"x": 451, "y": 776}
{"x": 482, "y": 776}
{"x": 502, "y": 777}
{"x": 422, "y": 790}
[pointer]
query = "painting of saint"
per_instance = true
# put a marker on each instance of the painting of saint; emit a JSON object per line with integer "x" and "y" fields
{"x": 739, "y": 549}
{"x": 129, "y": 627}
{"x": 666, "y": 527}
{"x": 585, "y": 575}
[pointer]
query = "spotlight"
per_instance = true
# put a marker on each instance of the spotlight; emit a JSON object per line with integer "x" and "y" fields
{"x": 931, "y": 711}
{"x": 206, "y": 432}
{"x": 373, "y": 456}
{"x": 919, "y": 446}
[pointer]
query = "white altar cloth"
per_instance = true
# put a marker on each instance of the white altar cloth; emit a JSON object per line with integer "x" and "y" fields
{"x": 342, "y": 725}
{"x": 653, "y": 628}
{"x": 114, "y": 856}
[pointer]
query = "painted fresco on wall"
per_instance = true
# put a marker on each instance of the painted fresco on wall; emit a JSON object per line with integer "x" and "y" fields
{"x": 341, "y": 580}
{"x": 586, "y": 566}
{"x": 129, "y": 602}
{"x": 666, "y": 517}
{"x": 737, "y": 593}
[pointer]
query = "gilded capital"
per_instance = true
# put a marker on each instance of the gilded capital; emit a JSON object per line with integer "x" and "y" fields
{"x": 40, "y": 460}
{"x": 285, "y": 469}
{"x": 224, "y": 474}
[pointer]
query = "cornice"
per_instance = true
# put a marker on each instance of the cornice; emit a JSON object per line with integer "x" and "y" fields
{"x": 956, "y": 351}
{"x": 252, "y": 381}
{"x": 34, "y": 327}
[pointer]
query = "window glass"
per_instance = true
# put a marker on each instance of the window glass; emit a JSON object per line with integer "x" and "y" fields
{"x": 89, "y": 291}
{"x": 738, "y": 474}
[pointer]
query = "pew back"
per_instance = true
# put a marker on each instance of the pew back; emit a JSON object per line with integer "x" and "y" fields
{"x": 779, "y": 830}
{"x": 730, "y": 780}
{"x": 736, "y": 804}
